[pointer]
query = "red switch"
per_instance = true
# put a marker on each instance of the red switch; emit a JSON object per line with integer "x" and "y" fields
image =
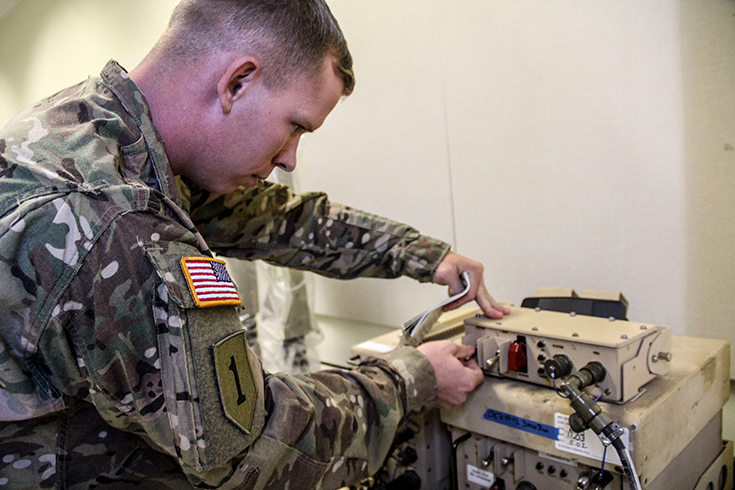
{"x": 517, "y": 360}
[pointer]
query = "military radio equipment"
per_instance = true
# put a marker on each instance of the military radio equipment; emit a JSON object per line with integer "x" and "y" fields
{"x": 572, "y": 401}
{"x": 541, "y": 347}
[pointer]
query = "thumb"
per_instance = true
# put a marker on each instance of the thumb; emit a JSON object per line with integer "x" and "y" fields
{"x": 475, "y": 373}
{"x": 464, "y": 351}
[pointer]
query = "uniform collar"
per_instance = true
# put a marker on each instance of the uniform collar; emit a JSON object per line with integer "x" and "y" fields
{"x": 116, "y": 78}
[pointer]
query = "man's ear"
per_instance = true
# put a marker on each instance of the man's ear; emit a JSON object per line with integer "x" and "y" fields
{"x": 235, "y": 80}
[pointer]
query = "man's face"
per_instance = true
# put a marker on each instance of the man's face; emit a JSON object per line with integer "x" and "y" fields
{"x": 262, "y": 131}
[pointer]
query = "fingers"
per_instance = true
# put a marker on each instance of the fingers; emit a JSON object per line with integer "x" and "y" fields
{"x": 461, "y": 301}
{"x": 450, "y": 269}
{"x": 463, "y": 385}
{"x": 489, "y": 306}
{"x": 449, "y": 273}
{"x": 475, "y": 373}
{"x": 457, "y": 375}
{"x": 484, "y": 300}
{"x": 463, "y": 351}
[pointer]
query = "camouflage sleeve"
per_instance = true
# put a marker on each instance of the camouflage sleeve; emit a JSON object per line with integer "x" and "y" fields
{"x": 182, "y": 377}
{"x": 307, "y": 231}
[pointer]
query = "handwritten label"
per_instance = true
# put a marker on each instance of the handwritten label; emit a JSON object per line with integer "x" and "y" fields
{"x": 586, "y": 443}
{"x": 522, "y": 424}
{"x": 480, "y": 477}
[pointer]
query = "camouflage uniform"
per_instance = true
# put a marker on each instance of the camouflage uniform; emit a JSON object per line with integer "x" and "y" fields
{"x": 111, "y": 375}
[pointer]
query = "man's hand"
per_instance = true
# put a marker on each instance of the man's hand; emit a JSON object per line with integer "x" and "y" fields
{"x": 456, "y": 376}
{"x": 449, "y": 273}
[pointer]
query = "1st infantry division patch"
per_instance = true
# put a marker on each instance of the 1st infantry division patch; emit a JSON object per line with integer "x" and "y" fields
{"x": 209, "y": 282}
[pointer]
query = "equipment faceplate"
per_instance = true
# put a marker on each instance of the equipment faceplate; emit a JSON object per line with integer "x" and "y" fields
{"x": 519, "y": 345}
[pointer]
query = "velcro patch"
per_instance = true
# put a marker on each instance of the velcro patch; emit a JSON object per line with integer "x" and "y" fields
{"x": 209, "y": 282}
{"x": 235, "y": 378}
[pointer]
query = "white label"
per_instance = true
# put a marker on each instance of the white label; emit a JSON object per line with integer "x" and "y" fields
{"x": 376, "y": 347}
{"x": 480, "y": 477}
{"x": 586, "y": 443}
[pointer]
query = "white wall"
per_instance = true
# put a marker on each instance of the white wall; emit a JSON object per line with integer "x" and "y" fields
{"x": 573, "y": 144}
{"x": 568, "y": 143}
{"x": 46, "y": 45}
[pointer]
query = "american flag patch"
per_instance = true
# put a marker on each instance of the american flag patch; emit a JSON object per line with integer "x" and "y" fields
{"x": 209, "y": 282}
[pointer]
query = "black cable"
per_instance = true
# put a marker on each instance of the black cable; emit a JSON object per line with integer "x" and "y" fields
{"x": 593, "y": 417}
{"x": 628, "y": 467}
{"x": 410, "y": 480}
{"x": 454, "y": 476}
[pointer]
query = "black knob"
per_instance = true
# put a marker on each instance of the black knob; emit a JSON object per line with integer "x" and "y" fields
{"x": 407, "y": 457}
{"x": 524, "y": 485}
{"x": 408, "y": 481}
{"x": 559, "y": 366}
{"x": 597, "y": 370}
{"x": 577, "y": 423}
{"x": 540, "y": 465}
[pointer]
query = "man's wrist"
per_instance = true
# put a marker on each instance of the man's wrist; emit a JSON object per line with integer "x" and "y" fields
{"x": 419, "y": 378}
{"x": 423, "y": 257}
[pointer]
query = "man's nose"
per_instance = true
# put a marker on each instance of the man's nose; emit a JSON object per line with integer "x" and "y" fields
{"x": 286, "y": 158}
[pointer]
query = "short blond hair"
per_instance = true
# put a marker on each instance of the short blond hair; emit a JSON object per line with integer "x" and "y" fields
{"x": 291, "y": 37}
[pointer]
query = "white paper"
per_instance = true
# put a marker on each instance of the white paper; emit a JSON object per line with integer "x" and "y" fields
{"x": 586, "y": 443}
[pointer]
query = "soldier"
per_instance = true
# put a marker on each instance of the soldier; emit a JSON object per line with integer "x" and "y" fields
{"x": 122, "y": 359}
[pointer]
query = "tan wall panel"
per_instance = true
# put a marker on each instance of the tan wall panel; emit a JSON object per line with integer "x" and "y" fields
{"x": 566, "y": 128}
{"x": 46, "y": 45}
{"x": 708, "y": 68}
{"x": 384, "y": 149}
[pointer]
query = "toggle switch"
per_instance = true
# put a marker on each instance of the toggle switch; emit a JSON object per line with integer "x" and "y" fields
{"x": 517, "y": 360}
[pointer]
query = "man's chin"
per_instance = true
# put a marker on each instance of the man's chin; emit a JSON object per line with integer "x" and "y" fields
{"x": 248, "y": 182}
{"x": 252, "y": 181}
